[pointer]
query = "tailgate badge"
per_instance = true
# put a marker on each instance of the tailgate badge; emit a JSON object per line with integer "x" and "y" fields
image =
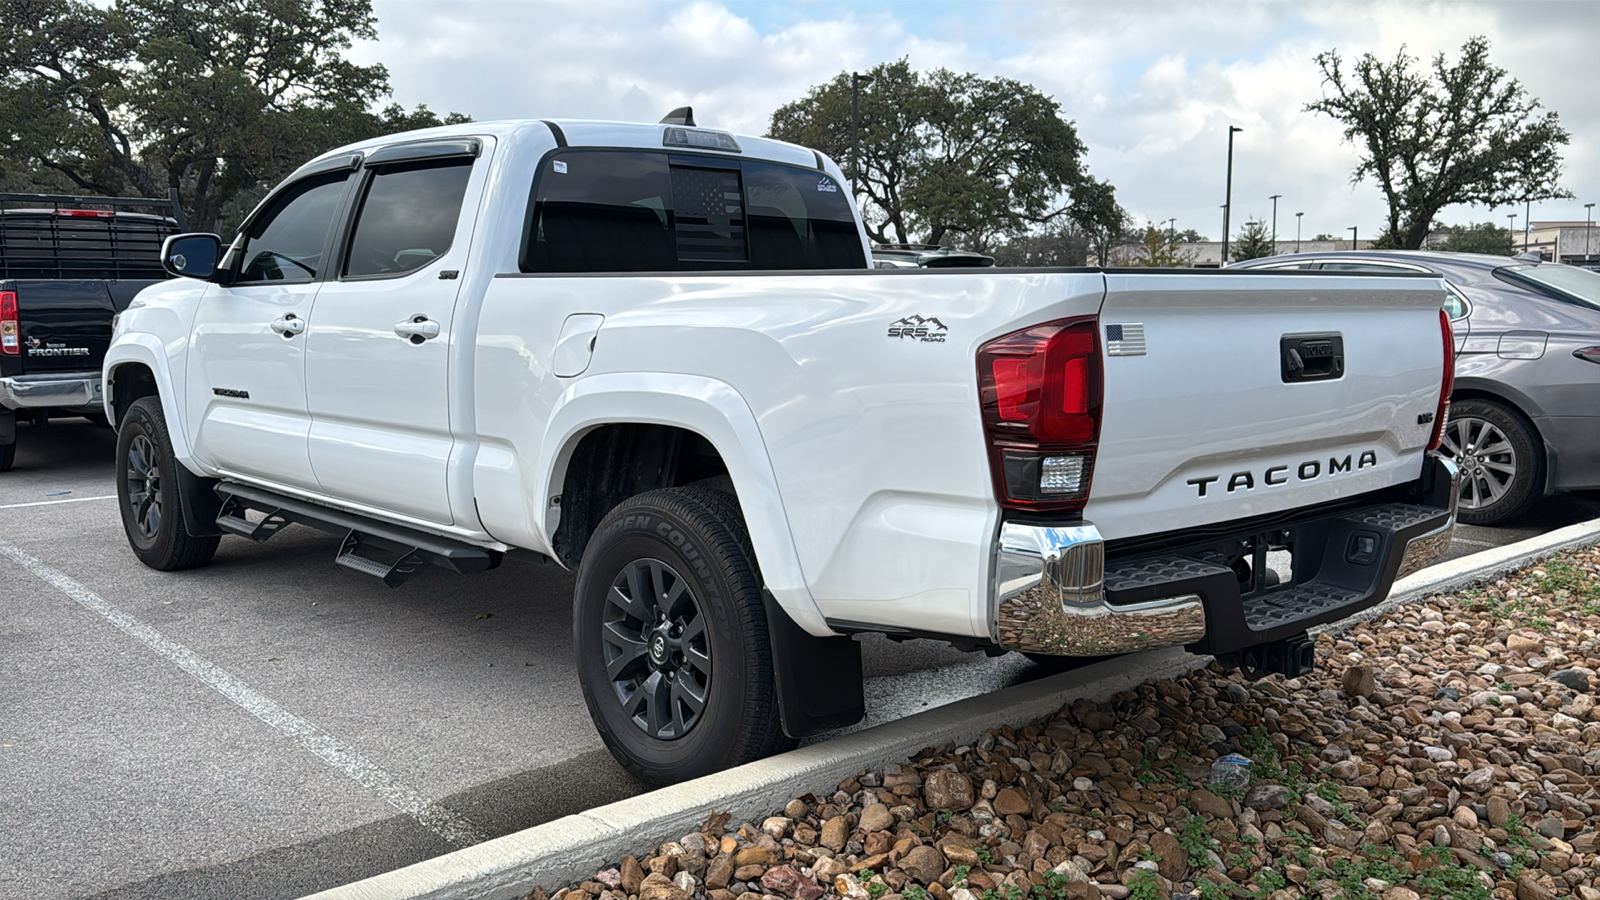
{"x": 1125, "y": 339}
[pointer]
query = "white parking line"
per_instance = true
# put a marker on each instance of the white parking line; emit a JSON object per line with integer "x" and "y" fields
{"x": 341, "y": 756}
{"x": 49, "y": 502}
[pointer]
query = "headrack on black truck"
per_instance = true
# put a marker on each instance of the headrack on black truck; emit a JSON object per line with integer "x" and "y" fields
{"x": 68, "y": 264}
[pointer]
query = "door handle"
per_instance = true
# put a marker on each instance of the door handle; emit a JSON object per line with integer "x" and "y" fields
{"x": 417, "y": 329}
{"x": 288, "y": 326}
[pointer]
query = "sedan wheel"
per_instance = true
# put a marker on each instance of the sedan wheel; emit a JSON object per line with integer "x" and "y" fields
{"x": 1499, "y": 455}
{"x": 1488, "y": 461}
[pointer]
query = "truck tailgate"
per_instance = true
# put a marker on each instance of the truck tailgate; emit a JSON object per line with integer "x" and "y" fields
{"x": 65, "y": 326}
{"x": 1208, "y": 417}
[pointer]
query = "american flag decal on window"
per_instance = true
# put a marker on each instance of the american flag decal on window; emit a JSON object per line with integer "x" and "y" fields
{"x": 1125, "y": 339}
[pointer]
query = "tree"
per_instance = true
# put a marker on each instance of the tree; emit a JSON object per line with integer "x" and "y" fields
{"x": 944, "y": 155}
{"x": 217, "y": 98}
{"x": 1158, "y": 249}
{"x": 1190, "y": 236}
{"x": 1324, "y": 236}
{"x": 1058, "y": 243}
{"x": 1469, "y": 134}
{"x": 1252, "y": 242}
{"x": 1486, "y": 237}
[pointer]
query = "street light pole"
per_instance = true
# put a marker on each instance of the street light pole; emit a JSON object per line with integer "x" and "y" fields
{"x": 1170, "y": 233}
{"x": 1527, "y": 223}
{"x": 856, "y": 81}
{"x": 1511, "y": 229}
{"x": 1227, "y": 204}
{"x": 1588, "y": 222}
{"x": 1354, "y": 237}
{"x": 1274, "y": 199}
{"x": 1297, "y": 231}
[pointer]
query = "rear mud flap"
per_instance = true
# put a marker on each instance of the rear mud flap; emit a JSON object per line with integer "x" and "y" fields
{"x": 819, "y": 679}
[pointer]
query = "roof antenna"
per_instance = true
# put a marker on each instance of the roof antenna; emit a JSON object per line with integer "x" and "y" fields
{"x": 683, "y": 115}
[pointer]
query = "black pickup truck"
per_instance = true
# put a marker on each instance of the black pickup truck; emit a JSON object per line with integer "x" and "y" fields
{"x": 67, "y": 266}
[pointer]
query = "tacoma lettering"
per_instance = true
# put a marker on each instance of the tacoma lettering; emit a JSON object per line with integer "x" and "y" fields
{"x": 1309, "y": 470}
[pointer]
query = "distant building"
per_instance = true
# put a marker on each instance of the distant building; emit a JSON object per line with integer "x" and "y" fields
{"x": 1574, "y": 243}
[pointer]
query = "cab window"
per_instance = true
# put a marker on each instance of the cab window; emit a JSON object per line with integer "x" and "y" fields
{"x": 285, "y": 244}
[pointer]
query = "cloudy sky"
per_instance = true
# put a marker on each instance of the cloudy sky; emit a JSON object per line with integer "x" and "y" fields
{"x": 1152, "y": 85}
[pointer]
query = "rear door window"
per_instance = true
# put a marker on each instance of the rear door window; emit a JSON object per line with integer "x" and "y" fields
{"x": 642, "y": 211}
{"x": 407, "y": 218}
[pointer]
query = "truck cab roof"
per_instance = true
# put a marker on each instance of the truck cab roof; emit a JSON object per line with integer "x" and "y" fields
{"x": 598, "y": 133}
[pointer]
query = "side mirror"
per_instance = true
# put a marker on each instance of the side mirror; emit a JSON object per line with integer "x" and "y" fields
{"x": 191, "y": 255}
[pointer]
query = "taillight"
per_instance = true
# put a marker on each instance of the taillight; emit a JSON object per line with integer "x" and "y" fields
{"x": 1040, "y": 390}
{"x": 1443, "y": 410}
{"x": 10, "y": 328}
{"x": 1588, "y": 354}
{"x": 86, "y": 213}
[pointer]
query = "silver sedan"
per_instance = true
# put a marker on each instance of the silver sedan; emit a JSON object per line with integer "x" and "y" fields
{"x": 1525, "y": 414}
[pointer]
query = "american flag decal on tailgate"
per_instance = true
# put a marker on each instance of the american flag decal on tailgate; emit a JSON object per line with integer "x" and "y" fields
{"x": 1126, "y": 339}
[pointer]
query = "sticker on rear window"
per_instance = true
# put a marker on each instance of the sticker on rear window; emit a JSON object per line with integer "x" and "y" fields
{"x": 826, "y": 185}
{"x": 561, "y": 167}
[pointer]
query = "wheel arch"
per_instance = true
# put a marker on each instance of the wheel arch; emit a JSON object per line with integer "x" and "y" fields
{"x": 135, "y": 367}
{"x": 647, "y": 412}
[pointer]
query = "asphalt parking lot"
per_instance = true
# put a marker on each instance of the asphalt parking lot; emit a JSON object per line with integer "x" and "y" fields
{"x": 273, "y": 725}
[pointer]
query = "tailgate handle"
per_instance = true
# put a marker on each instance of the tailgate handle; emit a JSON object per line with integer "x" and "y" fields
{"x": 1311, "y": 357}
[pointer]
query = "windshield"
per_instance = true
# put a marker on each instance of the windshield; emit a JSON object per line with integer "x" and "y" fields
{"x": 1569, "y": 282}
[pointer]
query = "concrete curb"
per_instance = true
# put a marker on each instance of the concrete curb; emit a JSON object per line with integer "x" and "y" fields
{"x": 572, "y": 848}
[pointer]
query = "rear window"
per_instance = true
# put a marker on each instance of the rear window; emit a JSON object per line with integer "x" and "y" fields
{"x": 81, "y": 244}
{"x": 646, "y": 211}
{"x": 1566, "y": 282}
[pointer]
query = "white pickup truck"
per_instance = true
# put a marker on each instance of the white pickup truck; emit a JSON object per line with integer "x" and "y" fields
{"x": 657, "y": 355}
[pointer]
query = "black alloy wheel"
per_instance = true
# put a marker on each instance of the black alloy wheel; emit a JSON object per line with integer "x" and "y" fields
{"x": 148, "y": 493}
{"x": 658, "y": 653}
{"x": 670, "y": 632}
{"x": 143, "y": 486}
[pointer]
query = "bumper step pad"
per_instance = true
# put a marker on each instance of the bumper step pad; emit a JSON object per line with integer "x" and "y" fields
{"x": 1343, "y": 564}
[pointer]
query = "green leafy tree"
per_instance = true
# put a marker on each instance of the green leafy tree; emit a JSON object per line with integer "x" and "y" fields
{"x": 1485, "y": 237}
{"x": 1103, "y": 220}
{"x": 1159, "y": 249}
{"x": 1468, "y": 133}
{"x": 216, "y": 98}
{"x": 944, "y": 155}
{"x": 1253, "y": 241}
{"x": 1190, "y": 236}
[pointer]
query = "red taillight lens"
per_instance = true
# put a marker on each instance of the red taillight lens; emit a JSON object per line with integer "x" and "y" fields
{"x": 10, "y": 328}
{"x": 1040, "y": 389}
{"x": 86, "y": 213}
{"x": 1588, "y": 354}
{"x": 1449, "y": 384}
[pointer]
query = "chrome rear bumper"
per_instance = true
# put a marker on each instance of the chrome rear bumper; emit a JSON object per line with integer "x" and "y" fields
{"x": 1050, "y": 598}
{"x": 64, "y": 389}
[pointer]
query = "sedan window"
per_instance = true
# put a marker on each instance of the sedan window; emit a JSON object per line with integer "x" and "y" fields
{"x": 1564, "y": 282}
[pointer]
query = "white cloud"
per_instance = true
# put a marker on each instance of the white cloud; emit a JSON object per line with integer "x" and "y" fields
{"x": 1151, "y": 85}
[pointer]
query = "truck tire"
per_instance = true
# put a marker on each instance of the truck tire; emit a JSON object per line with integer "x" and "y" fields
{"x": 147, "y": 493}
{"x": 1501, "y": 460}
{"x": 671, "y": 638}
{"x": 8, "y": 455}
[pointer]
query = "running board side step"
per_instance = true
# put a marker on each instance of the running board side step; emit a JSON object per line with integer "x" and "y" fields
{"x": 403, "y": 551}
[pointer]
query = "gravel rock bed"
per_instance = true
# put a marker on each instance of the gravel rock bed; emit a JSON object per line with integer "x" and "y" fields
{"x": 1448, "y": 748}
